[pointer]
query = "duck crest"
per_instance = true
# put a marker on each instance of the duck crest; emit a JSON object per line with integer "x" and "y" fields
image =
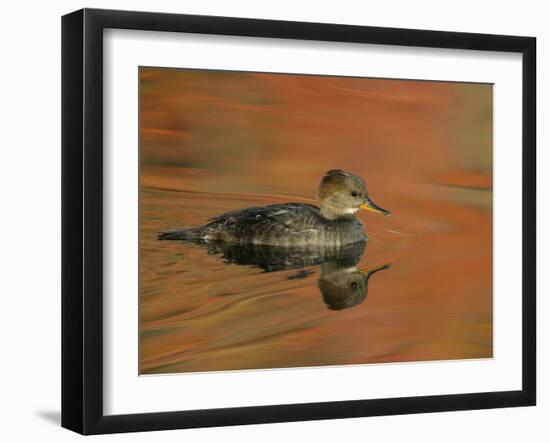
{"x": 337, "y": 171}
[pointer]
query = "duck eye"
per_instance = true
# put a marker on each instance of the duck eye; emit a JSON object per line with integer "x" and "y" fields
{"x": 354, "y": 193}
{"x": 354, "y": 286}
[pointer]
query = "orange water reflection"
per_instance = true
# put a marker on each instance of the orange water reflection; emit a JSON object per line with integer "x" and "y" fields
{"x": 217, "y": 141}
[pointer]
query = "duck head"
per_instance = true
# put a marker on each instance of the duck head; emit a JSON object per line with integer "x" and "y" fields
{"x": 343, "y": 193}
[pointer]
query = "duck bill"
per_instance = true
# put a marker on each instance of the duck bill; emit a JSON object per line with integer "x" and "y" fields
{"x": 369, "y": 205}
{"x": 369, "y": 271}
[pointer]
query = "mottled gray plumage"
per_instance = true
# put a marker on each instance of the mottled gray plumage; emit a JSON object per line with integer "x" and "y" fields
{"x": 341, "y": 194}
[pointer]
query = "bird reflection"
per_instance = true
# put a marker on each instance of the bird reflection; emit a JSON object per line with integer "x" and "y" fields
{"x": 341, "y": 283}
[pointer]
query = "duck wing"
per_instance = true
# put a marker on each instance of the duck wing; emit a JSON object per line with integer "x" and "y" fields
{"x": 292, "y": 221}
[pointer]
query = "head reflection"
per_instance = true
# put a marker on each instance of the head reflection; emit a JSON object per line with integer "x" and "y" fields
{"x": 347, "y": 287}
{"x": 341, "y": 283}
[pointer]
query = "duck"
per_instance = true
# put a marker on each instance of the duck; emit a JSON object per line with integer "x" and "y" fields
{"x": 333, "y": 222}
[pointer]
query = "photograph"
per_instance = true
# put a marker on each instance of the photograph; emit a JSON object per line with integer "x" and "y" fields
{"x": 270, "y": 222}
{"x": 290, "y": 220}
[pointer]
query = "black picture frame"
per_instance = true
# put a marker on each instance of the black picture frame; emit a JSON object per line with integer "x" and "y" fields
{"x": 82, "y": 221}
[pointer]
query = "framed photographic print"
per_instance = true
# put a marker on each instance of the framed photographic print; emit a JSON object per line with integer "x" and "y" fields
{"x": 269, "y": 221}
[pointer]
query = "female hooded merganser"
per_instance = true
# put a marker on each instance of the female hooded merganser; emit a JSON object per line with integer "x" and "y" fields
{"x": 341, "y": 194}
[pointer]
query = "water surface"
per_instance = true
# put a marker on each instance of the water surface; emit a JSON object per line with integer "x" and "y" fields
{"x": 214, "y": 142}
